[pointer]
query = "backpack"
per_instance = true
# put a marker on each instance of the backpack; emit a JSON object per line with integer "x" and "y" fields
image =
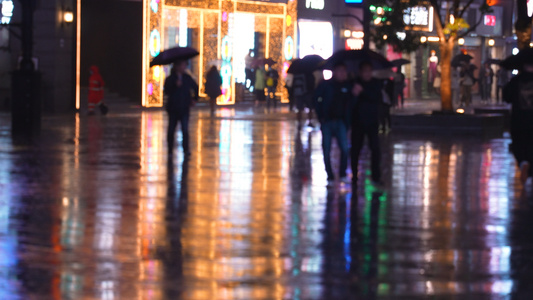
{"x": 526, "y": 96}
{"x": 299, "y": 85}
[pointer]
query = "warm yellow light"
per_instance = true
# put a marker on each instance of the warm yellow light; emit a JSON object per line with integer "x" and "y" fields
{"x": 385, "y": 37}
{"x": 377, "y": 21}
{"x": 530, "y": 45}
{"x": 491, "y": 42}
{"x": 358, "y": 34}
{"x": 452, "y": 19}
{"x": 433, "y": 39}
{"x": 423, "y": 39}
{"x": 461, "y": 41}
{"x": 78, "y": 53}
{"x": 460, "y": 110}
{"x": 347, "y": 33}
{"x": 380, "y": 10}
{"x": 68, "y": 16}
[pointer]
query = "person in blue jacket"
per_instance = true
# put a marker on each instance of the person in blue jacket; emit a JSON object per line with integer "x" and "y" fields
{"x": 182, "y": 92}
{"x": 333, "y": 100}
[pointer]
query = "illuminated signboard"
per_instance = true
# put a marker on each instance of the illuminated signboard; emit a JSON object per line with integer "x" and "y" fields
{"x": 353, "y": 1}
{"x": 315, "y": 38}
{"x": 314, "y": 4}
{"x": 530, "y": 8}
{"x": 7, "y": 11}
{"x": 489, "y": 20}
{"x": 419, "y": 18}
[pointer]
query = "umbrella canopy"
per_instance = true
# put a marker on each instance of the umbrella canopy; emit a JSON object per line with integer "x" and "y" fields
{"x": 493, "y": 61}
{"x": 307, "y": 64}
{"x": 461, "y": 59}
{"x": 400, "y": 62}
{"x": 352, "y": 59}
{"x": 173, "y": 54}
{"x": 516, "y": 62}
{"x": 263, "y": 61}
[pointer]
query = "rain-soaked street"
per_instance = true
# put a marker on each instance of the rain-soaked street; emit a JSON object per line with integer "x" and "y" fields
{"x": 93, "y": 209}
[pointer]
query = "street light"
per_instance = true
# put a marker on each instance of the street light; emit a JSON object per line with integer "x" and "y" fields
{"x": 491, "y": 42}
{"x": 461, "y": 41}
{"x": 68, "y": 16}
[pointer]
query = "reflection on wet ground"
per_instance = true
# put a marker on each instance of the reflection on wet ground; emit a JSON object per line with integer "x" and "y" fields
{"x": 93, "y": 209}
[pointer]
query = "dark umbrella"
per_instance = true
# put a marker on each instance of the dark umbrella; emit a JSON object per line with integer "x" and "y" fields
{"x": 516, "y": 62}
{"x": 173, "y": 54}
{"x": 459, "y": 59}
{"x": 307, "y": 64}
{"x": 400, "y": 62}
{"x": 264, "y": 61}
{"x": 493, "y": 61}
{"x": 352, "y": 59}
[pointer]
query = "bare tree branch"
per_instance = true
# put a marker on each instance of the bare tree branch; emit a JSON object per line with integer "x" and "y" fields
{"x": 465, "y": 8}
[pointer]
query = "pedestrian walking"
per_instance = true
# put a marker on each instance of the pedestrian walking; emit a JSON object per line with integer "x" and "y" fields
{"x": 502, "y": 78}
{"x": 466, "y": 82}
{"x": 486, "y": 77}
{"x": 213, "y": 81}
{"x": 365, "y": 120}
{"x": 333, "y": 101}
{"x": 182, "y": 92}
{"x": 272, "y": 78}
{"x": 399, "y": 86}
{"x": 519, "y": 92}
{"x": 259, "y": 87}
{"x": 248, "y": 69}
{"x": 96, "y": 91}
{"x": 303, "y": 86}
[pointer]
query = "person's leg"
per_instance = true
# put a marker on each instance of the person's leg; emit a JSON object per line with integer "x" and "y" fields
{"x": 375, "y": 151}
{"x": 341, "y": 133}
{"x": 358, "y": 136}
{"x": 326, "y": 148}
{"x": 523, "y": 152}
{"x": 184, "y": 120}
{"x": 172, "y": 124}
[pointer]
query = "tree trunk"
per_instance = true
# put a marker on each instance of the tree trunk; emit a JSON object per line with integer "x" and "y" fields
{"x": 446, "y": 52}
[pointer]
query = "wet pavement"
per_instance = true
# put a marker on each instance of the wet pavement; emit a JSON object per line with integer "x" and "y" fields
{"x": 94, "y": 209}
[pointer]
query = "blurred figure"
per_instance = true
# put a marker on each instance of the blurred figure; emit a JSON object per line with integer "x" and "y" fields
{"x": 272, "y": 78}
{"x": 333, "y": 101}
{"x": 213, "y": 81}
{"x": 303, "y": 86}
{"x": 182, "y": 92}
{"x": 365, "y": 121}
{"x": 399, "y": 86}
{"x": 248, "y": 69}
{"x": 455, "y": 85}
{"x": 502, "y": 77}
{"x": 259, "y": 87}
{"x": 437, "y": 81}
{"x": 96, "y": 91}
{"x": 467, "y": 81}
{"x": 486, "y": 75}
{"x": 519, "y": 92}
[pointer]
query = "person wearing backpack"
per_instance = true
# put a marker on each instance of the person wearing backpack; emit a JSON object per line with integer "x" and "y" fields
{"x": 519, "y": 92}
{"x": 303, "y": 85}
{"x": 272, "y": 77}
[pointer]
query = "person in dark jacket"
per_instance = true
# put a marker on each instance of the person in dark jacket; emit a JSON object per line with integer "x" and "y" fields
{"x": 519, "y": 92}
{"x": 365, "y": 120}
{"x": 333, "y": 101}
{"x": 213, "y": 81}
{"x": 182, "y": 92}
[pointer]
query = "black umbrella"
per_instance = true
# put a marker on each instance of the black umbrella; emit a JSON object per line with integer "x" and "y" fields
{"x": 493, "y": 61}
{"x": 516, "y": 62}
{"x": 307, "y": 64}
{"x": 400, "y": 62}
{"x": 173, "y": 54}
{"x": 352, "y": 59}
{"x": 263, "y": 61}
{"x": 460, "y": 59}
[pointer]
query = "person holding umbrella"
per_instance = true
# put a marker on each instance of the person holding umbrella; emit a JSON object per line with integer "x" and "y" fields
{"x": 365, "y": 120}
{"x": 519, "y": 92}
{"x": 182, "y": 92}
{"x": 333, "y": 101}
{"x": 213, "y": 81}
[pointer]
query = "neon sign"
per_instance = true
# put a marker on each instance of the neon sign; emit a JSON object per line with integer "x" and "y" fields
{"x": 315, "y": 4}
{"x": 489, "y": 20}
{"x": 154, "y": 4}
{"x": 7, "y": 11}
{"x": 226, "y": 71}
